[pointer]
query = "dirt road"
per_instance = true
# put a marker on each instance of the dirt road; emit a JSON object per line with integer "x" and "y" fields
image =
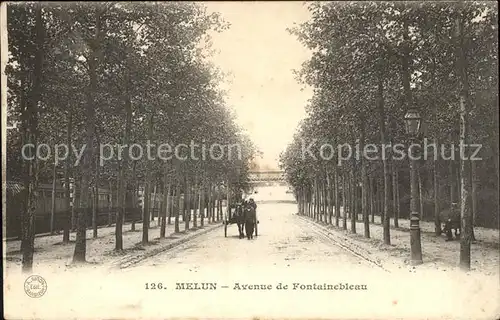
{"x": 285, "y": 242}
{"x": 289, "y": 270}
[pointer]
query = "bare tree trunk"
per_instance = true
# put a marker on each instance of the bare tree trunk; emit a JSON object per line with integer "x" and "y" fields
{"x": 346, "y": 193}
{"x": 136, "y": 194}
{"x": 206, "y": 199}
{"x": 352, "y": 198}
{"x": 420, "y": 193}
{"x": 465, "y": 210}
{"x": 81, "y": 241}
{"x": 177, "y": 200}
{"x": 110, "y": 202}
{"x": 316, "y": 201}
{"x": 372, "y": 199}
{"x": 344, "y": 200}
{"x": 219, "y": 217}
{"x": 364, "y": 186}
{"x": 395, "y": 199}
{"x": 354, "y": 212}
{"x": 201, "y": 200}
{"x": 495, "y": 147}
{"x": 380, "y": 198}
{"x": 302, "y": 201}
{"x": 337, "y": 197}
{"x": 322, "y": 199}
{"x": 324, "y": 209}
{"x": 333, "y": 197}
{"x": 451, "y": 179}
{"x": 349, "y": 194}
{"x": 53, "y": 202}
{"x": 228, "y": 210}
{"x": 437, "y": 220}
{"x": 386, "y": 163}
{"x": 329, "y": 198}
{"x": 166, "y": 193}
{"x": 216, "y": 203}
{"x": 96, "y": 197}
{"x": 184, "y": 205}
{"x": 399, "y": 198}
{"x": 211, "y": 199}
{"x": 307, "y": 201}
{"x": 364, "y": 202}
{"x": 458, "y": 173}
{"x": 67, "y": 173}
{"x": 169, "y": 203}
{"x": 153, "y": 209}
{"x": 322, "y": 194}
{"x": 187, "y": 200}
{"x": 219, "y": 205}
{"x": 195, "y": 203}
{"x": 359, "y": 200}
{"x": 147, "y": 188}
{"x": 171, "y": 206}
{"x": 30, "y": 129}
{"x": 474, "y": 180}
{"x": 313, "y": 200}
{"x": 160, "y": 188}
{"x": 209, "y": 203}
{"x": 310, "y": 198}
{"x": 76, "y": 202}
{"x": 327, "y": 192}
{"x": 120, "y": 216}
{"x": 306, "y": 207}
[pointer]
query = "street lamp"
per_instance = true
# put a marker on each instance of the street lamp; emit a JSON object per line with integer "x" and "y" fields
{"x": 413, "y": 125}
{"x": 413, "y": 122}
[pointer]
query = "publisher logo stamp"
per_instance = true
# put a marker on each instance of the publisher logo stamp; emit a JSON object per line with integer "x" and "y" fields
{"x": 35, "y": 286}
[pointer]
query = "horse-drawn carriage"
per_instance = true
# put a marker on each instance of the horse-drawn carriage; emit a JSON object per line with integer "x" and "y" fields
{"x": 236, "y": 215}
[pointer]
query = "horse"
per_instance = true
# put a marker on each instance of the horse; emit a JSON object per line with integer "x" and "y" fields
{"x": 239, "y": 219}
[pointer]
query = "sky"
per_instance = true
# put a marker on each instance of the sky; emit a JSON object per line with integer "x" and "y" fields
{"x": 261, "y": 55}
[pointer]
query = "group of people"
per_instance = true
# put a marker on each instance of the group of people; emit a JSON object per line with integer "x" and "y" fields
{"x": 248, "y": 212}
{"x": 452, "y": 221}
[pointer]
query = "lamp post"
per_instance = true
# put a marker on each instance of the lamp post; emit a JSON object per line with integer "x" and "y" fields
{"x": 413, "y": 125}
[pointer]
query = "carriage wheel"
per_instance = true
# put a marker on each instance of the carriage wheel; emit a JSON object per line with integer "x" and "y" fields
{"x": 225, "y": 229}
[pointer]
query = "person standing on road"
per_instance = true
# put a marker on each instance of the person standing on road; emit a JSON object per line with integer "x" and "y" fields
{"x": 252, "y": 203}
{"x": 250, "y": 218}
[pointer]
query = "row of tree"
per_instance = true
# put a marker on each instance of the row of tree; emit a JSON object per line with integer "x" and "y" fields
{"x": 371, "y": 63}
{"x": 117, "y": 73}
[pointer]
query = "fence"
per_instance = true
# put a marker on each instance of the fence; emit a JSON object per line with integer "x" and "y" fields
{"x": 62, "y": 214}
{"x": 42, "y": 221}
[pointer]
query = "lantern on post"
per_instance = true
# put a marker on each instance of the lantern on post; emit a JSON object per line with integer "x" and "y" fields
{"x": 413, "y": 122}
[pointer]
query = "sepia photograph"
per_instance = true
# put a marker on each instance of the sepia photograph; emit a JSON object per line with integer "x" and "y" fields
{"x": 250, "y": 160}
